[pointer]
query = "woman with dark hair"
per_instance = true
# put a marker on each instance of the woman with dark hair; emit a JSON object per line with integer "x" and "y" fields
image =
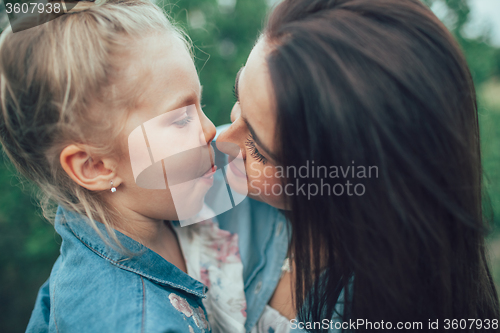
{"x": 359, "y": 118}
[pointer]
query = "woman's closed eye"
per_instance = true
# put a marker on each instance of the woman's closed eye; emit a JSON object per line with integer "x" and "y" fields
{"x": 254, "y": 152}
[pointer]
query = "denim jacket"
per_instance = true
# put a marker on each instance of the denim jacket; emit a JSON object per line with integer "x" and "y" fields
{"x": 94, "y": 288}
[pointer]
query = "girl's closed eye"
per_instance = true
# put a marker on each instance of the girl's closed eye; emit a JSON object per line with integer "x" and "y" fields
{"x": 254, "y": 152}
{"x": 184, "y": 121}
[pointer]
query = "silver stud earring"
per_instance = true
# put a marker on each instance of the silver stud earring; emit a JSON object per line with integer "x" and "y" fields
{"x": 113, "y": 188}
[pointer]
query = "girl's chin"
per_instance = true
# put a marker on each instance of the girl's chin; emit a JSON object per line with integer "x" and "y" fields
{"x": 191, "y": 200}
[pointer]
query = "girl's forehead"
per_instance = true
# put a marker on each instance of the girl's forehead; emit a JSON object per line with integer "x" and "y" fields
{"x": 159, "y": 54}
{"x": 159, "y": 78}
{"x": 162, "y": 74}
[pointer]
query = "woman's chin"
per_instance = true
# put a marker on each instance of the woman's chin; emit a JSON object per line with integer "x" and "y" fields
{"x": 275, "y": 201}
{"x": 237, "y": 183}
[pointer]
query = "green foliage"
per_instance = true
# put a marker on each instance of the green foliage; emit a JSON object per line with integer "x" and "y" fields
{"x": 489, "y": 121}
{"x": 484, "y": 63}
{"x": 28, "y": 248}
{"x": 221, "y": 45}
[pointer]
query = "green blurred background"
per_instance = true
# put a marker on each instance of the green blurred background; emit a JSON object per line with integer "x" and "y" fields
{"x": 223, "y": 32}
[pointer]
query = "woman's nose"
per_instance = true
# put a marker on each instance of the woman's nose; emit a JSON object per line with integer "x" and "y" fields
{"x": 235, "y": 113}
{"x": 230, "y": 141}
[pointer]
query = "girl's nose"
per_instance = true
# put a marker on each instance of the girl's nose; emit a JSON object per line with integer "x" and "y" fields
{"x": 208, "y": 128}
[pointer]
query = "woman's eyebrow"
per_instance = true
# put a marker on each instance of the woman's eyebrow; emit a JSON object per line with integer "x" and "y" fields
{"x": 257, "y": 140}
{"x": 236, "y": 82}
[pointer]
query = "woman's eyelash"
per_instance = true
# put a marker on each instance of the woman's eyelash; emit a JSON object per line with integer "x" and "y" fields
{"x": 235, "y": 93}
{"x": 184, "y": 122}
{"x": 254, "y": 152}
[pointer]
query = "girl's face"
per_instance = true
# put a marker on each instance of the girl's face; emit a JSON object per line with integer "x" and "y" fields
{"x": 253, "y": 130}
{"x": 166, "y": 168}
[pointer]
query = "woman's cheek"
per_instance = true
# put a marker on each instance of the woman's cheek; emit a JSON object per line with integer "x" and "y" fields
{"x": 264, "y": 184}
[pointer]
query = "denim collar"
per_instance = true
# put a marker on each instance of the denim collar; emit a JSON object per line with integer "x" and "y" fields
{"x": 143, "y": 261}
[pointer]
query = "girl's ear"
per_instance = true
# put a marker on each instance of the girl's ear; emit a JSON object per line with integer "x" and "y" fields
{"x": 92, "y": 173}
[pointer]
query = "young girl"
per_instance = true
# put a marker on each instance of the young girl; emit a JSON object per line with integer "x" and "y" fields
{"x": 78, "y": 94}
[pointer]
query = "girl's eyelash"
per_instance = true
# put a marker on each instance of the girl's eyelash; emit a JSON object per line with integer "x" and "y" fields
{"x": 254, "y": 152}
{"x": 184, "y": 122}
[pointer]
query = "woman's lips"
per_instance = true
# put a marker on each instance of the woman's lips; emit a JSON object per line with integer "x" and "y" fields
{"x": 235, "y": 169}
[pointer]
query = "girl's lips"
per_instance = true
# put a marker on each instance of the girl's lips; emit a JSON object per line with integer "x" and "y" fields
{"x": 237, "y": 171}
{"x": 208, "y": 177}
{"x": 210, "y": 172}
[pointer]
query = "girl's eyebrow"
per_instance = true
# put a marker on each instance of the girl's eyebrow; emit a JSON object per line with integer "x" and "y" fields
{"x": 188, "y": 99}
{"x": 185, "y": 101}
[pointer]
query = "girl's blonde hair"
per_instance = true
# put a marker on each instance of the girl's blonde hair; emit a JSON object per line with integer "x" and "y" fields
{"x": 50, "y": 77}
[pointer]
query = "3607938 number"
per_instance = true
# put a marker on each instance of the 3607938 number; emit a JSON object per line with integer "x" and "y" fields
{"x": 33, "y": 7}
{"x": 454, "y": 324}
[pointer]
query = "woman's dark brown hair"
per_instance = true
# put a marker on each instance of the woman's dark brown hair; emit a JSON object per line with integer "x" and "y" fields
{"x": 382, "y": 83}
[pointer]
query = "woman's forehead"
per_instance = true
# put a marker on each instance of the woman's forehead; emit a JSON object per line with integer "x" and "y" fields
{"x": 256, "y": 94}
